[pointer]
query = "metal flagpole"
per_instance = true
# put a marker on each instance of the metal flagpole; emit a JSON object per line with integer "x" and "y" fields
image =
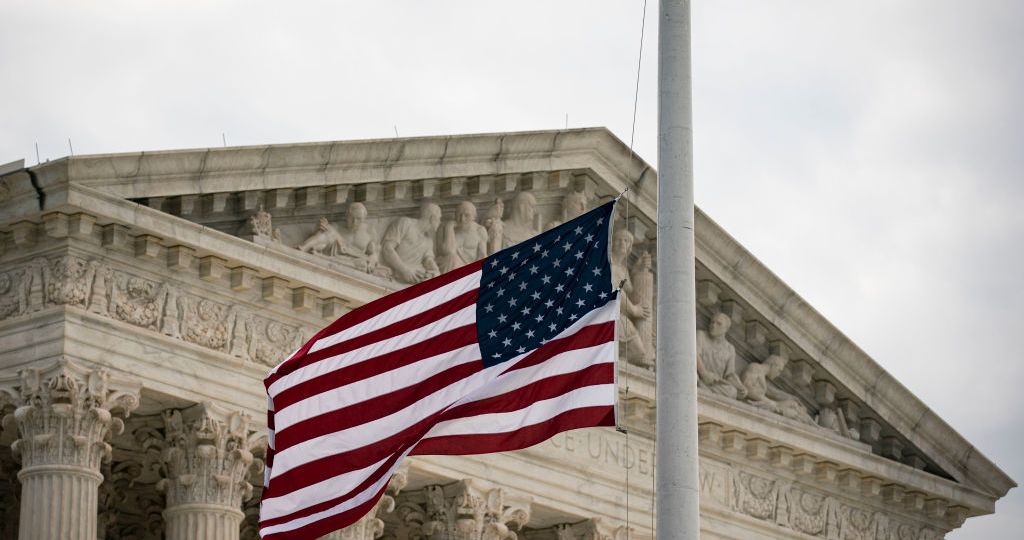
{"x": 676, "y": 447}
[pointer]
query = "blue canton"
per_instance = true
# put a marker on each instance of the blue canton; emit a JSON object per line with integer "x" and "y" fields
{"x": 532, "y": 291}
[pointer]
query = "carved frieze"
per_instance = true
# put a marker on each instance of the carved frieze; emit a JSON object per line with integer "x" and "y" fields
{"x": 802, "y": 508}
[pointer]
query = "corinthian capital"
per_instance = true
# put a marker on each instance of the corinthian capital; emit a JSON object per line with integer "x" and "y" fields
{"x": 207, "y": 456}
{"x": 471, "y": 509}
{"x": 65, "y": 413}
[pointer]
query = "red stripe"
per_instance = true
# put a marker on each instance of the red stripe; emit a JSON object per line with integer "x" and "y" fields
{"x": 398, "y": 328}
{"x": 311, "y": 472}
{"x": 588, "y": 336}
{"x": 325, "y": 505}
{"x": 547, "y": 388}
{"x": 443, "y": 342}
{"x": 372, "y": 309}
{"x": 328, "y": 524}
{"x": 372, "y": 409}
{"x": 516, "y": 440}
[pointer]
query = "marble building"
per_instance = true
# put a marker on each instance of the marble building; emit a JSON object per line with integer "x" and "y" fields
{"x": 144, "y": 296}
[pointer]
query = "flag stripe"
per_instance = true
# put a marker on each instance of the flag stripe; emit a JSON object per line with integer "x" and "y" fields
{"x": 369, "y": 489}
{"x": 485, "y": 443}
{"x": 405, "y": 351}
{"x": 277, "y": 507}
{"x": 516, "y": 417}
{"x": 458, "y": 311}
{"x": 368, "y": 434}
{"x": 366, "y": 411}
{"x": 330, "y": 522}
{"x": 519, "y": 395}
{"x": 391, "y": 306}
{"x": 350, "y": 393}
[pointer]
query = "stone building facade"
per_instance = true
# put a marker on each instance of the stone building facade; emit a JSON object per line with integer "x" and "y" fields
{"x": 144, "y": 296}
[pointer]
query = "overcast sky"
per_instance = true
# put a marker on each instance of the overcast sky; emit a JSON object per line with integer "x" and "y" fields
{"x": 869, "y": 152}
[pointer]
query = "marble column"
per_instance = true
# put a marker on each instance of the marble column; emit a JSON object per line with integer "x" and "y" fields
{"x": 207, "y": 460}
{"x": 64, "y": 416}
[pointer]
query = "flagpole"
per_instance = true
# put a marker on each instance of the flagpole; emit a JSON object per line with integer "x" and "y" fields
{"x": 676, "y": 430}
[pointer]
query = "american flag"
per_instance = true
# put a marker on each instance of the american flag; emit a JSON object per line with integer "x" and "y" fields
{"x": 498, "y": 355}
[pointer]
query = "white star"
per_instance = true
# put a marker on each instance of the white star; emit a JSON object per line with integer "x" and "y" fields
{"x": 503, "y": 270}
{"x": 539, "y": 318}
{"x": 603, "y": 295}
{"x": 589, "y": 237}
{"x": 515, "y": 255}
{"x": 580, "y": 303}
{"x": 549, "y": 303}
{"x": 490, "y": 285}
{"x": 533, "y": 269}
{"x": 494, "y": 262}
{"x": 535, "y": 295}
{"x": 557, "y": 263}
{"x": 579, "y": 230}
{"x": 492, "y": 334}
{"x": 579, "y": 254}
{"x": 573, "y": 317}
{"x": 489, "y": 308}
{"x": 558, "y": 310}
{"x": 544, "y": 253}
{"x": 501, "y": 291}
{"x": 553, "y": 327}
{"x": 529, "y": 334}
{"x": 536, "y": 248}
{"x": 525, "y": 311}
{"x": 600, "y": 220}
{"x": 502, "y": 318}
{"x": 559, "y": 287}
{"x": 597, "y": 270}
{"x": 511, "y": 301}
{"x": 546, "y": 279}
{"x": 520, "y": 350}
{"x": 506, "y": 342}
{"x": 568, "y": 271}
{"x": 522, "y": 286}
{"x": 496, "y": 355}
{"x": 516, "y": 326}
{"x": 566, "y": 246}
{"x": 588, "y": 287}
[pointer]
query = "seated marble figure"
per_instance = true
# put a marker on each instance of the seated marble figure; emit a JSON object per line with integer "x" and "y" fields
{"x": 760, "y": 393}
{"x": 408, "y": 245}
{"x": 716, "y": 359}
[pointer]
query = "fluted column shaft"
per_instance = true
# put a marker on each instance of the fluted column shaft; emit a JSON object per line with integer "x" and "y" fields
{"x": 206, "y": 521}
{"x": 58, "y": 502}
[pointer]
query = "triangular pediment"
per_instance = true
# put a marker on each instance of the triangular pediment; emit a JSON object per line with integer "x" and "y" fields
{"x": 320, "y": 214}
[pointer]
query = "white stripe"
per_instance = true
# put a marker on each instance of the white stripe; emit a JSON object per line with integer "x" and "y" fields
{"x": 413, "y": 306}
{"x": 319, "y": 492}
{"x": 463, "y": 317}
{"x": 351, "y": 503}
{"x": 541, "y": 411}
{"x": 371, "y": 387}
{"x": 560, "y": 364}
{"x": 380, "y": 428}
